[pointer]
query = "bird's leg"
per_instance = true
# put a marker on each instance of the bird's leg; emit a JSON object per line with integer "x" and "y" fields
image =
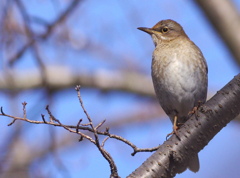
{"x": 175, "y": 128}
{"x": 195, "y": 110}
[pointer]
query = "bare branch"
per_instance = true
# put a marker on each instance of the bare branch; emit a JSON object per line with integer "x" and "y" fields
{"x": 43, "y": 118}
{"x": 60, "y": 77}
{"x": 11, "y": 123}
{"x": 105, "y": 154}
{"x": 2, "y": 111}
{"x": 173, "y": 155}
{"x": 83, "y": 127}
{"x": 78, "y": 124}
{"x": 167, "y": 161}
{"x": 103, "y": 142}
{"x": 100, "y": 124}
{"x": 75, "y": 129}
{"x": 222, "y": 15}
{"x": 48, "y": 32}
{"x": 24, "y": 110}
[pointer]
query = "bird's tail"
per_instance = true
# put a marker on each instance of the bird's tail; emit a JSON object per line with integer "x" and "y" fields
{"x": 193, "y": 164}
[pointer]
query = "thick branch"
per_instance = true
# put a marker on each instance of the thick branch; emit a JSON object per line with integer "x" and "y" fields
{"x": 61, "y": 77}
{"x": 224, "y": 15}
{"x": 172, "y": 156}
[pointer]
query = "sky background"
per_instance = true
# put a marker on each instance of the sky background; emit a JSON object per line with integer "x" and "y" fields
{"x": 113, "y": 24}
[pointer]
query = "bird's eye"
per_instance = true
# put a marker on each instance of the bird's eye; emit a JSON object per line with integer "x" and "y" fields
{"x": 164, "y": 29}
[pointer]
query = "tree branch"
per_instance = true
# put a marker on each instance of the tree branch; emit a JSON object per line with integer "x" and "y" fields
{"x": 173, "y": 155}
{"x": 48, "y": 32}
{"x": 224, "y": 15}
{"x": 62, "y": 77}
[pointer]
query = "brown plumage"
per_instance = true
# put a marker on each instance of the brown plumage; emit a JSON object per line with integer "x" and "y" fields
{"x": 179, "y": 73}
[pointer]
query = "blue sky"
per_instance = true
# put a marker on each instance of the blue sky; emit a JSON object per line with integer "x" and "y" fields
{"x": 113, "y": 24}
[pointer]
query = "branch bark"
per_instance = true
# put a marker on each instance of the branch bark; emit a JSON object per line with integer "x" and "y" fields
{"x": 173, "y": 155}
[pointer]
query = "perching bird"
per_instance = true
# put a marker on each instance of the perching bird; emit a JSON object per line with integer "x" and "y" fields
{"x": 179, "y": 74}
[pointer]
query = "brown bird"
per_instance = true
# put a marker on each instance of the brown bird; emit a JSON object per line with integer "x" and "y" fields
{"x": 179, "y": 74}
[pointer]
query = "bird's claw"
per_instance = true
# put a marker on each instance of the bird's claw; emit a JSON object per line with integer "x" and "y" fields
{"x": 195, "y": 110}
{"x": 175, "y": 128}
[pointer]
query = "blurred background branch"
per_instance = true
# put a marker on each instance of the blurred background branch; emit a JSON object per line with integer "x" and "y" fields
{"x": 48, "y": 47}
{"x": 60, "y": 77}
{"x": 225, "y": 18}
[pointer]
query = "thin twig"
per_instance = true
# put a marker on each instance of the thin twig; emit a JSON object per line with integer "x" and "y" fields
{"x": 24, "y": 110}
{"x": 100, "y": 124}
{"x": 2, "y": 111}
{"x": 105, "y": 154}
{"x": 50, "y": 29}
{"x": 103, "y": 142}
{"x": 11, "y": 123}
{"x": 77, "y": 88}
{"x": 43, "y": 118}
{"x": 78, "y": 124}
{"x": 106, "y": 132}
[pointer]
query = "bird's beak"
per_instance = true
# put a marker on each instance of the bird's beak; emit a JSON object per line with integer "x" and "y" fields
{"x": 147, "y": 30}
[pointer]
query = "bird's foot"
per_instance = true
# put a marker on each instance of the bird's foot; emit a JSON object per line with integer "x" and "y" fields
{"x": 175, "y": 128}
{"x": 195, "y": 110}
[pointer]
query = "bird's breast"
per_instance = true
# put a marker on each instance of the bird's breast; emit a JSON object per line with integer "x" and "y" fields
{"x": 179, "y": 80}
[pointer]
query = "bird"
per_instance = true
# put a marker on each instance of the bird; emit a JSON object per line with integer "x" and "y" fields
{"x": 179, "y": 74}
